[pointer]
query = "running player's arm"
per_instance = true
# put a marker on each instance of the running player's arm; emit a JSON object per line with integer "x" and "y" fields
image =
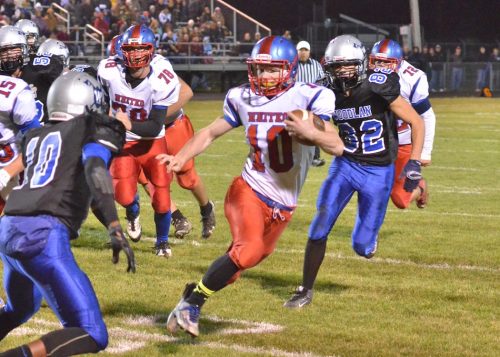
{"x": 185, "y": 95}
{"x": 11, "y": 170}
{"x": 196, "y": 145}
{"x": 404, "y": 110}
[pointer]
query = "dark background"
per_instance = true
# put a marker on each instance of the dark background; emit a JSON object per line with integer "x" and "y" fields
{"x": 442, "y": 20}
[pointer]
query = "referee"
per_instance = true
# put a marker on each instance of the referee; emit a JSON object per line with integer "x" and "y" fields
{"x": 309, "y": 71}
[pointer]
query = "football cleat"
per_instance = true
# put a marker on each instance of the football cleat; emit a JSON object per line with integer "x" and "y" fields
{"x": 172, "y": 325}
{"x": 163, "y": 249}
{"x": 424, "y": 194}
{"x": 208, "y": 223}
{"x": 300, "y": 298}
{"x": 182, "y": 227}
{"x": 134, "y": 229}
{"x": 187, "y": 317}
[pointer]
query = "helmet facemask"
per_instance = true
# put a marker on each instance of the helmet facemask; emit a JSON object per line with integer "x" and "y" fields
{"x": 137, "y": 55}
{"x": 268, "y": 77}
{"x": 13, "y": 57}
{"x": 382, "y": 61}
{"x": 33, "y": 42}
{"x": 345, "y": 75}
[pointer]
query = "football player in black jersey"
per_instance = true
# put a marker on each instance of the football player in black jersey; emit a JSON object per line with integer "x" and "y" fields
{"x": 363, "y": 106}
{"x": 66, "y": 164}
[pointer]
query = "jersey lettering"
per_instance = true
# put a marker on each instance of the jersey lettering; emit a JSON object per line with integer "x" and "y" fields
{"x": 9, "y": 86}
{"x": 41, "y": 61}
{"x": 279, "y": 144}
{"x": 410, "y": 70}
{"x": 166, "y": 75}
{"x": 371, "y": 141}
{"x": 378, "y": 78}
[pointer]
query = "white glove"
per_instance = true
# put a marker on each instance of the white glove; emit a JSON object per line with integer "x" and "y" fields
{"x": 4, "y": 179}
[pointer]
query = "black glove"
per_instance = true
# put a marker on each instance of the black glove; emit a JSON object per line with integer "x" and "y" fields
{"x": 118, "y": 243}
{"x": 413, "y": 175}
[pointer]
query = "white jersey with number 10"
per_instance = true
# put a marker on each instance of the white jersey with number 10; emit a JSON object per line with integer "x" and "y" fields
{"x": 277, "y": 165}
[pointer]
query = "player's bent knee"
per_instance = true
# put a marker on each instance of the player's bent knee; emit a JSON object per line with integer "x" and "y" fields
{"x": 161, "y": 200}
{"x": 100, "y": 336}
{"x": 363, "y": 250}
{"x": 188, "y": 180}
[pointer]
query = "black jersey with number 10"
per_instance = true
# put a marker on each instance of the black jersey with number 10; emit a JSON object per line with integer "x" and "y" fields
{"x": 54, "y": 179}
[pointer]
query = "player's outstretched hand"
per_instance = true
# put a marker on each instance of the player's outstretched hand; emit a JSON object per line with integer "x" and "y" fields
{"x": 173, "y": 162}
{"x": 119, "y": 243}
{"x": 413, "y": 175}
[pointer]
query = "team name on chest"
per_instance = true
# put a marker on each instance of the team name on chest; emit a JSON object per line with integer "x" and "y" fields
{"x": 353, "y": 113}
{"x": 130, "y": 101}
{"x": 266, "y": 117}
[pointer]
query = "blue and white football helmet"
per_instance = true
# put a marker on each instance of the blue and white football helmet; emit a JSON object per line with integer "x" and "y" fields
{"x": 138, "y": 46}
{"x": 387, "y": 51}
{"x": 272, "y": 51}
{"x": 114, "y": 47}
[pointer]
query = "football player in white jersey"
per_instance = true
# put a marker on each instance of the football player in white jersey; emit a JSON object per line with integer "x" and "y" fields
{"x": 17, "y": 104}
{"x": 144, "y": 90}
{"x": 259, "y": 204}
{"x": 415, "y": 89}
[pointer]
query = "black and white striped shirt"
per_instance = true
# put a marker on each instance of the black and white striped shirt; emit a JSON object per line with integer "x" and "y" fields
{"x": 309, "y": 71}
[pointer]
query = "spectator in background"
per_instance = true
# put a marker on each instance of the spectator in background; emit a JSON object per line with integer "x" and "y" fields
{"x": 245, "y": 46}
{"x": 217, "y": 16}
{"x": 406, "y": 53}
{"x": 483, "y": 68}
{"x": 287, "y": 34}
{"x": 416, "y": 59}
{"x": 457, "y": 69}
{"x": 165, "y": 16}
{"x": 257, "y": 36}
{"x": 495, "y": 64}
{"x": 437, "y": 61}
{"x": 426, "y": 59}
{"x": 100, "y": 24}
{"x": 205, "y": 15}
{"x": 309, "y": 71}
{"x": 84, "y": 13}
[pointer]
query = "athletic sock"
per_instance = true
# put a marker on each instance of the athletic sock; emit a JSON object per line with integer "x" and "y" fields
{"x": 162, "y": 222}
{"x": 313, "y": 257}
{"x": 206, "y": 210}
{"x": 216, "y": 278}
{"x": 133, "y": 209}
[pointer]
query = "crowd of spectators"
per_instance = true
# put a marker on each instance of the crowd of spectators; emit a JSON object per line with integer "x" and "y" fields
{"x": 432, "y": 59}
{"x": 174, "y": 22}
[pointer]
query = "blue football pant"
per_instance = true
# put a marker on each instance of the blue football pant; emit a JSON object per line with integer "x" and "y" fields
{"x": 373, "y": 185}
{"x": 54, "y": 275}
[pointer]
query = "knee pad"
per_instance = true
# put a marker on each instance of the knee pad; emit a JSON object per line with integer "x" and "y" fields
{"x": 125, "y": 191}
{"x": 161, "y": 200}
{"x": 188, "y": 179}
{"x": 246, "y": 257}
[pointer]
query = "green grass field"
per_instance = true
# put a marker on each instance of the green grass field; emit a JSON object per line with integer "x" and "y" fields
{"x": 432, "y": 290}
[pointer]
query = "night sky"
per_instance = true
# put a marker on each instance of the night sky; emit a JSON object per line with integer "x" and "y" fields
{"x": 442, "y": 20}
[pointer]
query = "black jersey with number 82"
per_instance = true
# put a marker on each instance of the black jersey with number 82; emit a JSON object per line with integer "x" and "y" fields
{"x": 366, "y": 124}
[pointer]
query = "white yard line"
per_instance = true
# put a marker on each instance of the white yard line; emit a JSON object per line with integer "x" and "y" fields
{"x": 128, "y": 339}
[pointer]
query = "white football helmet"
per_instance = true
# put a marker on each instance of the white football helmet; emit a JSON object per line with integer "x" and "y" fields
{"x": 12, "y": 38}
{"x": 55, "y": 48}
{"x": 345, "y": 50}
{"x": 73, "y": 94}
{"x": 32, "y": 34}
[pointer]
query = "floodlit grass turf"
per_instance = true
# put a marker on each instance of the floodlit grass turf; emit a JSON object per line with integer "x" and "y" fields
{"x": 431, "y": 290}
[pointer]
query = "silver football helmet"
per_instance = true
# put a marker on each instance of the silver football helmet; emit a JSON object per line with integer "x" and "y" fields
{"x": 73, "y": 94}
{"x": 55, "y": 48}
{"x": 345, "y": 62}
{"x": 11, "y": 39}
{"x": 32, "y": 34}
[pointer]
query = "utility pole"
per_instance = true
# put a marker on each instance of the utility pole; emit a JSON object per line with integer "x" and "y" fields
{"x": 415, "y": 24}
